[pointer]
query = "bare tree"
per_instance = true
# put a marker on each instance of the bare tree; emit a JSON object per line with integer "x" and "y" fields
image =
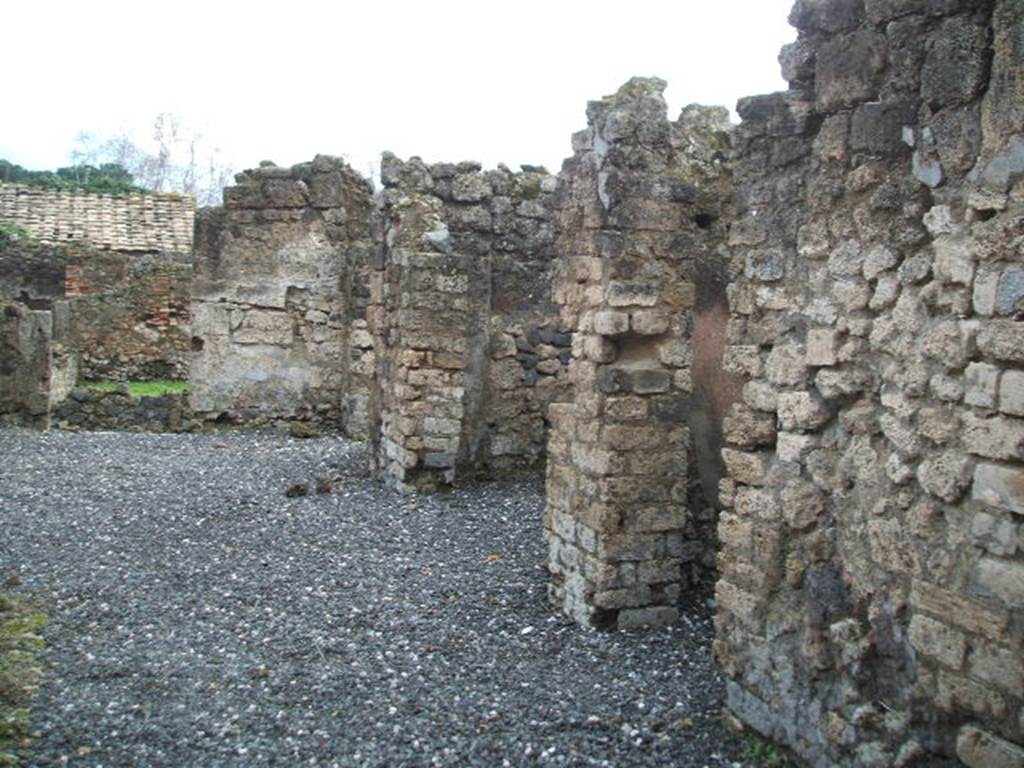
{"x": 177, "y": 159}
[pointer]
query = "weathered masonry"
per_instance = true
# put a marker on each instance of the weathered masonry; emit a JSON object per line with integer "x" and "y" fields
{"x": 787, "y": 356}
{"x": 871, "y": 602}
{"x": 469, "y": 348}
{"x": 36, "y": 369}
{"x": 639, "y": 220}
{"x": 278, "y": 298}
{"x": 123, "y": 265}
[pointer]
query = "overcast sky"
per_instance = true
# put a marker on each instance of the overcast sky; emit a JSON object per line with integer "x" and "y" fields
{"x": 446, "y": 80}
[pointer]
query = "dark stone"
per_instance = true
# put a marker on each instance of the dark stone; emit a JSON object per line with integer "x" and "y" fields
{"x": 650, "y": 381}
{"x": 829, "y": 596}
{"x": 671, "y": 410}
{"x": 956, "y": 64}
{"x": 850, "y": 69}
{"x": 281, "y": 193}
{"x": 957, "y": 138}
{"x": 827, "y": 15}
{"x": 612, "y": 380}
{"x": 797, "y": 62}
{"x": 877, "y": 128}
{"x": 681, "y": 191}
{"x": 561, "y": 339}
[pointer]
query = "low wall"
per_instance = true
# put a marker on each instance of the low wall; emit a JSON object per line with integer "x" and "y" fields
{"x": 87, "y": 409}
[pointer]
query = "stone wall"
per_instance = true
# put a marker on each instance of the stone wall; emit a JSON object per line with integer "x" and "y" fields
{"x": 871, "y": 601}
{"x": 627, "y": 524}
{"x": 469, "y": 349}
{"x": 36, "y": 370}
{"x": 129, "y": 312}
{"x": 119, "y": 411}
{"x": 277, "y": 296}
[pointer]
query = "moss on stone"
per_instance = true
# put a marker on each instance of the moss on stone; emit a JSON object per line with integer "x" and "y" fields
{"x": 20, "y": 670}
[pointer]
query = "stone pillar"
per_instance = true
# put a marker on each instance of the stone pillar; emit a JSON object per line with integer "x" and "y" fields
{"x": 420, "y": 312}
{"x": 641, "y": 200}
{"x": 36, "y": 369}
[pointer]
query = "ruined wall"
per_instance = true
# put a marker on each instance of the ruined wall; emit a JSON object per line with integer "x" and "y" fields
{"x": 469, "y": 349}
{"x": 36, "y": 370}
{"x": 272, "y": 297}
{"x": 626, "y": 522}
{"x": 129, "y": 312}
{"x": 871, "y": 601}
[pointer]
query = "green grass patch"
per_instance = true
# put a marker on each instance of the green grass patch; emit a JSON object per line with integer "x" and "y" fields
{"x": 140, "y": 388}
{"x": 761, "y": 753}
{"x": 21, "y": 672}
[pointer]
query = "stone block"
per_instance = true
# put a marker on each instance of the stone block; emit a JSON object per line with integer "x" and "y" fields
{"x": 821, "y": 346}
{"x": 849, "y": 69}
{"x": 622, "y": 294}
{"x": 743, "y": 605}
{"x": 980, "y": 749}
{"x": 641, "y": 618}
{"x": 650, "y": 381}
{"x": 1011, "y": 393}
{"x": 649, "y": 322}
{"x": 945, "y": 476}
{"x": 877, "y": 127}
{"x": 745, "y": 466}
{"x": 999, "y": 666}
{"x": 981, "y": 385}
{"x": 470, "y": 188}
{"x": 959, "y": 610}
{"x": 1003, "y": 579}
{"x": 610, "y": 323}
{"x": 986, "y": 285}
{"x": 801, "y": 411}
{"x": 745, "y": 428}
{"x": 757, "y": 503}
{"x": 765, "y": 264}
{"x": 1010, "y": 292}
{"x": 997, "y": 437}
{"x": 958, "y": 694}
{"x": 999, "y": 486}
{"x": 1003, "y": 340}
{"x": 626, "y": 597}
{"x": 786, "y": 365}
{"x": 879, "y": 259}
{"x": 761, "y": 396}
{"x": 954, "y": 260}
{"x": 954, "y": 70}
{"x": 997, "y": 534}
{"x": 793, "y": 446}
{"x": 742, "y": 360}
{"x": 846, "y": 259}
{"x": 937, "y": 641}
{"x": 802, "y": 504}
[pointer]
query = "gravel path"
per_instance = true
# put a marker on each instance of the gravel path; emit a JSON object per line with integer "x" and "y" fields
{"x": 201, "y": 618}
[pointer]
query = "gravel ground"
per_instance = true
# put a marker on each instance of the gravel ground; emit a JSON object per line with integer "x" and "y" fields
{"x": 201, "y": 618}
